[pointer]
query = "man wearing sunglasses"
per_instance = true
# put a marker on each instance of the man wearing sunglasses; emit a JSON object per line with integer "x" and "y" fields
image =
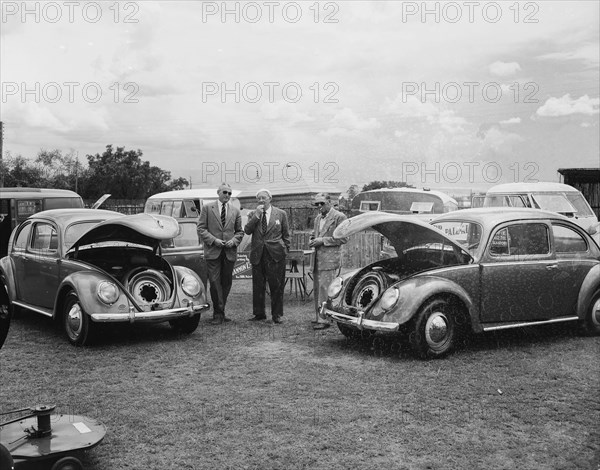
{"x": 328, "y": 252}
{"x": 220, "y": 229}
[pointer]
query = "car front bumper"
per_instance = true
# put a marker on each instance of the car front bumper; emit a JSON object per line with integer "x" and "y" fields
{"x": 151, "y": 315}
{"x": 358, "y": 321}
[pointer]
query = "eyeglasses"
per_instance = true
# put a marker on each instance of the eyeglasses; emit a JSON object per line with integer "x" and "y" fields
{"x": 319, "y": 204}
{"x": 227, "y": 192}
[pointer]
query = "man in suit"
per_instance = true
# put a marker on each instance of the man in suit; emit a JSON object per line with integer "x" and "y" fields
{"x": 268, "y": 226}
{"x": 328, "y": 252}
{"x": 220, "y": 229}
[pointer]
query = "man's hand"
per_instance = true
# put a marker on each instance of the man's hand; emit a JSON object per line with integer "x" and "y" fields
{"x": 316, "y": 242}
{"x": 219, "y": 243}
{"x": 229, "y": 244}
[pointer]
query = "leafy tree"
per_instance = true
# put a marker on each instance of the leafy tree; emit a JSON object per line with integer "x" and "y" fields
{"x": 352, "y": 191}
{"x": 385, "y": 184}
{"x": 18, "y": 171}
{"x": 124, "y": 175}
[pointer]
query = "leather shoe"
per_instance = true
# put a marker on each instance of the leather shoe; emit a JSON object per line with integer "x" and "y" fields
{"x": 277, "y": 320}
{"x": 217, "y": 321}
{"x": 257, "y": 318}
{"x": 227, "y": 320}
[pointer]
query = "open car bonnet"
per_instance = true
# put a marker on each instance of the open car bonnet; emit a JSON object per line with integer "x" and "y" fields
{"x": 141, "y": 229}
{"x": 403, "y": 231}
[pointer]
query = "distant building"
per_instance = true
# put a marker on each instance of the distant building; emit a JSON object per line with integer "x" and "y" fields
{"x": 586, "y": 180}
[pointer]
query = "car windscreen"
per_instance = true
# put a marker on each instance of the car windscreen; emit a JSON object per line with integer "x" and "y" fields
{"x": 62, "y": 202}
{"x": 188, "y": 236}
{"x": 578, "y": 201}
{"x": 553, "y": 203}
{"x": 467, "y": 234}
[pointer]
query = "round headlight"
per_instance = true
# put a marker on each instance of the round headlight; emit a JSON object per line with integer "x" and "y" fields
{"x": 190, "y": 285}
{"x": 389, "y": 298}
{"x": 108, "y": 292}
{"x": 335, "y": 288}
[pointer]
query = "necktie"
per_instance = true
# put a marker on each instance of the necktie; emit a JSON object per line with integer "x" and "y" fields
{"x": 223, "y": 215}
{"x": 263, "y": 222}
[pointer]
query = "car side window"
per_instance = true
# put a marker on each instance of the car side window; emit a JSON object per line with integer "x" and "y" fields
{"x": 44, "y": 238}
{"x": 20, "y": 243}
{"x": 166, "y": 208}
{"x": 567, "y": 240}
{"x": 499, "y": 244}
{"x": 521, "y": 239}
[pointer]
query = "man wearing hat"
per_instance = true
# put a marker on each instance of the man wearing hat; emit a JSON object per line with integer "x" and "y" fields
{"x": 328, "y": 251}
{"x": 268, "y": 226}
{"x": 220, "y": 228}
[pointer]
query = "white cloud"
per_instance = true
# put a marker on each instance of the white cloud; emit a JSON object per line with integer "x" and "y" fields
{"x": 347, "y": 122}
{"x": 504, "y": 69}
{"x": 565, "y": 106}
{"x": 588, "y": 52}
{"x": 284, "y": 112}
{"x": 513, "y": 120}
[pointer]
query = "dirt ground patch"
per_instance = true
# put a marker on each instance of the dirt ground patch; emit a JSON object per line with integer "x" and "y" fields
{"x": 263, "y": 396}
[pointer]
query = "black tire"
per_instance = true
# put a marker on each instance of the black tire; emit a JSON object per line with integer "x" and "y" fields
{"x": 77, "y": 324}
{"x": 354, "y": 333}
{"x": 436, "y": 328}
{"x": 185, "y": 325}
{"x": 5, "y": 312}
{"x": 67, "y": 463}
{"x": 590, "y": 326}
{"x": 6, "y": 460}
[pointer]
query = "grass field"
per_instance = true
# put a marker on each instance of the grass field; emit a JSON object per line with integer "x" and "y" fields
{"x": 263, "y": 396}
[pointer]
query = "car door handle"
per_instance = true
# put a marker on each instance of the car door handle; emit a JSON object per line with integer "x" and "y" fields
{"x": 551, "y": 266}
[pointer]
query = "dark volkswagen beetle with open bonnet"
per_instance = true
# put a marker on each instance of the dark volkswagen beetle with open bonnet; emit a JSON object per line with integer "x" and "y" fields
{"x": 470, "y": 270}
{"x": 87, "y": 266}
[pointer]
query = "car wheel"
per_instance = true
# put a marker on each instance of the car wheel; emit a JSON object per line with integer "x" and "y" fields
{"x": 185, "y": 325}
{"x": 354, "y": 333}
{"x": 6, "y": 460}
{"x": 5, "y": 312}
{"x": 77, "y": 324}
{"x": 591, "y": 322}
{"x": 67, "y": 463}
{"x": 435, "y": 329}
{"x": 368, "y": 289}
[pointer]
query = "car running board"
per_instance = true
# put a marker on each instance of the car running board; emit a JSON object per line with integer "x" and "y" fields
{"x": 43, "y": 311}
{"x": 505, "y": 326}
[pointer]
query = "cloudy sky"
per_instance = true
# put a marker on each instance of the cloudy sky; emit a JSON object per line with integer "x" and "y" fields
{"x": 456, "y": 95}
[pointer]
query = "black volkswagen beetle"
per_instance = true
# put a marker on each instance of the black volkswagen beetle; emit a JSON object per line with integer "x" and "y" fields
{"x": 470, "y": 270}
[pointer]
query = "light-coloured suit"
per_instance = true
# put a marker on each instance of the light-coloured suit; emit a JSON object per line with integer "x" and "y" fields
{"x": 220, "y": 260}
{"x": 328, "y": 257}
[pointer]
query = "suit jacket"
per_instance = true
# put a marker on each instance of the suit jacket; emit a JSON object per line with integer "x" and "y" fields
{"x": 329, "y": 255}
{"x": 210, "y": 228}
{"x": 276, "y": 240}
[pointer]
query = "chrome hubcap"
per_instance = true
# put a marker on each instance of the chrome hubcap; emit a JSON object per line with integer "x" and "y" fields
{"x": 436, "y": 329}
{"x": 596, "y": 312}
{"x": 74, "y": 319}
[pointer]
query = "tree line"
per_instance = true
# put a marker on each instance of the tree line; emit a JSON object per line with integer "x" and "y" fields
{"x": 117, "y": 171}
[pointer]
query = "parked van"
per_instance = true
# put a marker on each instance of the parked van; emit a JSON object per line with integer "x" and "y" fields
{"x": 555, "y": 197}
{"x": 16, "y": 204}
{"x": 404, "y": 201}
{"x": 184, "y": 203}
{"x": 186, "y": 249}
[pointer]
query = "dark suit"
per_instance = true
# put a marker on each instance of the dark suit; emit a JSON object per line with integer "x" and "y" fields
{"x": 220, "y": 260}
{"x": 267, "y": 255}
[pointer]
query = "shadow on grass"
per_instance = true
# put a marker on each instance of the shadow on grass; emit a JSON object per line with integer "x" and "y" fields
{"x": 397, "y": 347}
{"x": 31, "y": 325}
